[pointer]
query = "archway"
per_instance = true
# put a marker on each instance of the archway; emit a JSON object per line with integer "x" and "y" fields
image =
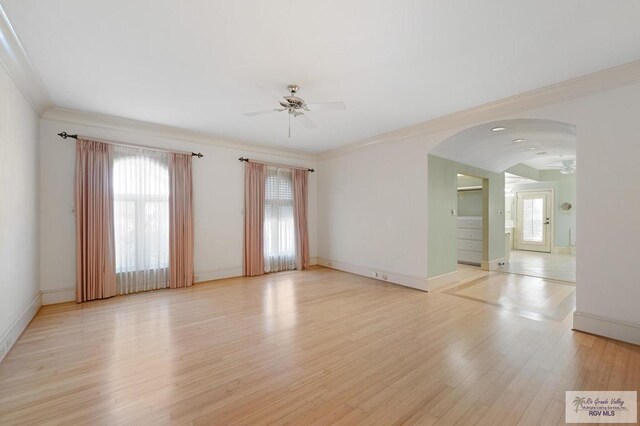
{"x": 515, "y": 155}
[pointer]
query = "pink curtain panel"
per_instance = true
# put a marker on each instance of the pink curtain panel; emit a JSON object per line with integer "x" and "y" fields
{"x": 300, "y": 179}
{"x": 254, "y": 183}
{"x": 180, "y": 221}
{"x": 95, "y": 246}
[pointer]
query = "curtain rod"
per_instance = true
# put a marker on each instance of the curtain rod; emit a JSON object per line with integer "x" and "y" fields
{"x": 65, "y": 135}
{"x": 275, "y": 164}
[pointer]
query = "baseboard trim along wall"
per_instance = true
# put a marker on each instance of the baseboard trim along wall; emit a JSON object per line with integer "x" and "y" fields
{"x": 564, "y": 250}
{"x": 411, "y": 281}
{"x": 58, "y": 295}
{"x": 218, "y": 274}
{"x": 492, "y": 265}
{"x": 607, "y": 327}
{"x": 68, "y": 294}
{"x": 14, "y": 331}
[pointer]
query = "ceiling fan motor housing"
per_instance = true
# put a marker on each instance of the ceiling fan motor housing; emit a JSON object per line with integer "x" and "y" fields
{"x": 293, "y": 102}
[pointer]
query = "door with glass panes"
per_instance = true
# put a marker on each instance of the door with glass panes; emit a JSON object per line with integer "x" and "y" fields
{"x": 533, "y": 221}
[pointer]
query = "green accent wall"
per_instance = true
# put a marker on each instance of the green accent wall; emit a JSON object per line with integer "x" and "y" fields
{"x": 442, "y": 197}
{"x": 470, "y": 203}
{"x": 524, "y": 171}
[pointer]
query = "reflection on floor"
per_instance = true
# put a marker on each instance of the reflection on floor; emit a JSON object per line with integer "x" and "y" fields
{"x": 312, "y": 347}
{"x": 531, "y": 297}
{"x": 544, "y": 265}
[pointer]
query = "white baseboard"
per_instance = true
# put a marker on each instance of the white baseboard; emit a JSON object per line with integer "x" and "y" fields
{"x": 492, "y": 265}
{"x": 412, "y": 281}
{"x": 58, "y": 295}
{"x": 218, "y": 274}
{"x": 607, "y": 327}
{"x": 564, "y": 250}
{"x": 68, "y": 294}
{"x": 14, "y": 331}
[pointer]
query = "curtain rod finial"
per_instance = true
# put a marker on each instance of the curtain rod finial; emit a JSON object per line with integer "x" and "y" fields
{"x": 65, "y": 135}
{"x": 197, "y": 154}
{"x": 243, "y": 159}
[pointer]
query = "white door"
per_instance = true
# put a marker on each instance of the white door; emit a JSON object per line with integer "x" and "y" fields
{"x": 533, "y": 221}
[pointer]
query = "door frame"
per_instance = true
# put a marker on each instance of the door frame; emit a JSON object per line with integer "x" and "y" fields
{"x": 552, "y": 197}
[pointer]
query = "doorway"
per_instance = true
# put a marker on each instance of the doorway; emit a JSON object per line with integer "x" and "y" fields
{"x": 530, "y": 240}
{"x": 470, "y": 226}
{"x": 541, "y": 222}
{"x": 533, "y": 221}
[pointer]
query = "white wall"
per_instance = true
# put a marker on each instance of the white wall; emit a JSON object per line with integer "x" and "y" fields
{"x": 218, "y": 181}
{"x": 373, "y": 206}
{"x": 372, "y": 212}
{"x": 19, "y": 213}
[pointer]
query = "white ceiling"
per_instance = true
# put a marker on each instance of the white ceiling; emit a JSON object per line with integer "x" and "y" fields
{"x": 546, "y": 144}
{"x": 194, "y": 64}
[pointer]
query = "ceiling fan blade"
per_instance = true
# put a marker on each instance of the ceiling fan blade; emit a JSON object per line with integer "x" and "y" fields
{"x": 270, "y": 92}
{"x": 327, "y": 106}
{"x": 306, "y": 121}
{"x": 266, "y": 111}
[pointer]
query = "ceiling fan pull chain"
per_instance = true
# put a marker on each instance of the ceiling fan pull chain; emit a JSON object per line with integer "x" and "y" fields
{"x": 289, "y": 126}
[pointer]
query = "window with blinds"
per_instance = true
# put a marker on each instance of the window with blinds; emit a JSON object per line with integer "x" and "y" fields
{"x": 279, "y": 230}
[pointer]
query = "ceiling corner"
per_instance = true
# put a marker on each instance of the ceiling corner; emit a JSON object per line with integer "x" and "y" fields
{"x": 20, "y": 69}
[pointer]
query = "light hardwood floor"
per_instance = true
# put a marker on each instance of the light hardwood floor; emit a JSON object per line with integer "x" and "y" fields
{"x": 320, "y": 347}
{"x": 544, "y": 265}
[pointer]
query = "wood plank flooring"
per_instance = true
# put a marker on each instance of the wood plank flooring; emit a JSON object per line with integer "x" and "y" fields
{"x": 532, "y": 297}
{"x": 544, "y": 265}
{"x": 313, "y": 347}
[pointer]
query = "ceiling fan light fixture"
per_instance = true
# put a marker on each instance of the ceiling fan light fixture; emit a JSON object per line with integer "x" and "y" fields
{"x": 296, "y": 106}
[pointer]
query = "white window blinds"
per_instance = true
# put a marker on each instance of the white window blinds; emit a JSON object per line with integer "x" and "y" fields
{"x": 279, "y": 229}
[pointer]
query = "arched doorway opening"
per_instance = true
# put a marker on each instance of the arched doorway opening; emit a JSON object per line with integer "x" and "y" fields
{"x": 502, "y": 198}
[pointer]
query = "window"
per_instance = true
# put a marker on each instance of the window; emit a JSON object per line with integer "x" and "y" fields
{"x": 141, "y": 219}
{"x": 532, "y": 221}
{"x": 279, "y": 229}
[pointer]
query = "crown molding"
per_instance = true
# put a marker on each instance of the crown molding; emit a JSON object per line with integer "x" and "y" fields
{"x": 561, "y": 92}
{"x": 15, "y": 61}
{"x": 159, "y": 130}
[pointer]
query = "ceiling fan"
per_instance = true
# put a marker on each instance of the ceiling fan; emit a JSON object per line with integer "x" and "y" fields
{"x": 296, "y": 106}
{"x": 567, "y": 167}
